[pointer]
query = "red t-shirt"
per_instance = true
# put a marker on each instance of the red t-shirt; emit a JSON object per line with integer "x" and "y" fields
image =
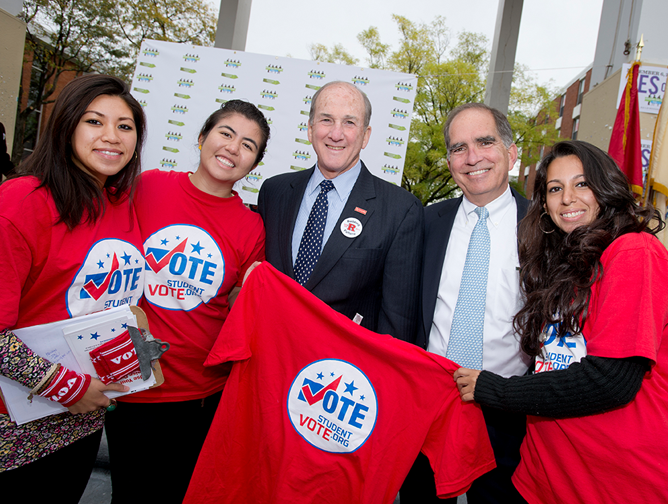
{"x": 319, "y": 409}
{"x": 621, "y": 455}
{"x": 197, "y": 248}
{"x": 50, "y": 273}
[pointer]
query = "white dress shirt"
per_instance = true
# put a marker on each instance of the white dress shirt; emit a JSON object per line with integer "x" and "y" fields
{"x": 336, "y": 200}
{"x": 501, "y": 350}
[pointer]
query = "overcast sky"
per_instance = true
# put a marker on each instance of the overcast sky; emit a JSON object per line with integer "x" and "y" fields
{"x": 557, "y": 38}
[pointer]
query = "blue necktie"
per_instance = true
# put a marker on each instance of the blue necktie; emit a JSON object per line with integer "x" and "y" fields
{"x": 466, "y": 333}
{"x": 311, "y": 242}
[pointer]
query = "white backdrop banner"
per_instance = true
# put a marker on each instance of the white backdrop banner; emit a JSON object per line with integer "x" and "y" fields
{"x": 180, "y": 85}
{"x": 651, "y": 87}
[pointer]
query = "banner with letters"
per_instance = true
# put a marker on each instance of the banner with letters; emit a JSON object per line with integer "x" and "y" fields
{"x": 646, "y": 146}
{"x": 651, "y": 87}
{"x": 180, "y": 85}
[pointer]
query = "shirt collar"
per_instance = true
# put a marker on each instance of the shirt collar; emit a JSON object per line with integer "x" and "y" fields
{"x": 497, "y": 208}
{"x": 343, "y": 184}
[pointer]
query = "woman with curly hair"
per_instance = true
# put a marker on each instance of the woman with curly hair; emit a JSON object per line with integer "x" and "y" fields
{"x": 70, "y": 245}
{"x": 596, "y": 320}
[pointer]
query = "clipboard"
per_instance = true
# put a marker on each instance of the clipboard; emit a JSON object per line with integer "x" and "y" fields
{"x": 48, "y": 341}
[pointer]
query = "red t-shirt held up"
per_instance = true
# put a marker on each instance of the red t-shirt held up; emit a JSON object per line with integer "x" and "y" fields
{"x": 319, "y": 409}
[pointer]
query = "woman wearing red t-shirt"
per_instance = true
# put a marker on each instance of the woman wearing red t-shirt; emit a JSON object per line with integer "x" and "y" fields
{"x": 63, "y": 220}
{"x": 596, "y": 321}
{"x": 199, "y": 241}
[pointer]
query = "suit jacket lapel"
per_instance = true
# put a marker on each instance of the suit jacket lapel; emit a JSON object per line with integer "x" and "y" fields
{"x": 435, "y": 256}
{"x": 291, "y": 208}
{"x": 361, "y": 196}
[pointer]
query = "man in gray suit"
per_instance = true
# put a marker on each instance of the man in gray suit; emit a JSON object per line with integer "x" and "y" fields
{"x": 481, "y": 152}
{"x": 352, "y": 239}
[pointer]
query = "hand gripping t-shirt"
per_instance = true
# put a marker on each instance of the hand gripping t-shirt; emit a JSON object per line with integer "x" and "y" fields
{"x": 620, "y": 455}
{"x": 319, "y": 409}
{"x": 197, "y": 248}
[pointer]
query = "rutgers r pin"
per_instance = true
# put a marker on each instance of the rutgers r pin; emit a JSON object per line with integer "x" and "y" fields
{"x": 351, "y": 227}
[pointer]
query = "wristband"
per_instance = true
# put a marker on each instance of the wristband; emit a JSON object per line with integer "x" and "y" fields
{"x": 45, "y": 379}
{"x": 115, "y": 359}
{"x": 67, "y": 387}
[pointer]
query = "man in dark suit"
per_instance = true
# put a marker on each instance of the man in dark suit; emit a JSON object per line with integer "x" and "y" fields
{"x": 481, "y": 152}
{"x": 352, "y": 239}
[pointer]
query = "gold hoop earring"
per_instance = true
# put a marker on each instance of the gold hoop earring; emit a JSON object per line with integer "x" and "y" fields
{"x": 200, "y": 146}
{"x": 540, "y": 227}
{"x": 136, "y": 156}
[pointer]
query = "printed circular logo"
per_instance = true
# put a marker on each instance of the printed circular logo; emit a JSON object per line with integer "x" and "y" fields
{"x": 184, "y": 267}
{"x": 351, "y": 227}
{"x": 112, "y": 274}
{"x": 333, "y": 406}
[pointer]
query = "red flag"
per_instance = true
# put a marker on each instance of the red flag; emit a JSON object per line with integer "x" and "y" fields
{"x": 625, "y": 140}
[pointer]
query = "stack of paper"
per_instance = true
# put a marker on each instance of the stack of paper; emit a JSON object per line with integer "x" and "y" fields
{"x": 68, "y": 342}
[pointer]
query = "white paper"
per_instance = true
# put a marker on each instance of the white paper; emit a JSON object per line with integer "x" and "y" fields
{"x": 48, "y": 341}
{"x": 82, "y": 339}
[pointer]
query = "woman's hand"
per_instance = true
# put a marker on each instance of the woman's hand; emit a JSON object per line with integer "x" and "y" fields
{"x": 94, "y": 398}
{"x": 465, "y": 379}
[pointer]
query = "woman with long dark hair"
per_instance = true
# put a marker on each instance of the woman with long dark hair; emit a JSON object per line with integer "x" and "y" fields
{"x": 68, "y": 234}
{"x": 596, "y": 320}
{"x": 199, "y": 241}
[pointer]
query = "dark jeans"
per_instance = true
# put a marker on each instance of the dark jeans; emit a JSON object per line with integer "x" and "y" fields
{"x": 59, "y": 477}
{"x": 506, "y": 432}
{"x": 153, "y": 448}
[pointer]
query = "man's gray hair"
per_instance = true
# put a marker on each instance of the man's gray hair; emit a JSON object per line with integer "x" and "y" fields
{"x": 502, "y": 125}
{"x": 365, "y": 98}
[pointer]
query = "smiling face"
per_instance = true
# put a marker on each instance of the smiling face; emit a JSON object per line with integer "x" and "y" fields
{"x": 479, "y": 162}
{"x": 569, "y": 200}
{"x": 104, "y": 141}
{"x": 228, "y": 154}
{"x": 338, "y": 133}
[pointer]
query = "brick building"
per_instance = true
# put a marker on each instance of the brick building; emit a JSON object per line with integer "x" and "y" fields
{"x": 569, "y": 108}
{"x": 37, "y": 119}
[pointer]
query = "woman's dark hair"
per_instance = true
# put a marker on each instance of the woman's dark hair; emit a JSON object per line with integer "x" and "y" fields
{"x": 249, "y": 111}
{"x": 75, "y": 192}
{"x": 558, "y": 269}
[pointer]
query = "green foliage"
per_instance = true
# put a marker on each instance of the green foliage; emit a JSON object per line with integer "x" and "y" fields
{"x": 191, "y": 21}
{"x": 81, "y": 36}
{"x": 448, "y": 78}
{"x": 377, "y": 51}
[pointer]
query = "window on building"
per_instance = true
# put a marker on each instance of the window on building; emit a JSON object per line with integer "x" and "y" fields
{"x": 581, "y": 91}
{"x": 576, "y": 126}
{"x": 34, "y": 119}
{"x": 562, "y": 104}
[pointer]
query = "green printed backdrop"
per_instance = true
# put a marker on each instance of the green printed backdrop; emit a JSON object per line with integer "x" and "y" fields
{"x": 180, "y": 85}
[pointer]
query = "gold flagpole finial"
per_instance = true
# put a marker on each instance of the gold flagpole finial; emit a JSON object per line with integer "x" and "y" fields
{"x": 641, "y": 44}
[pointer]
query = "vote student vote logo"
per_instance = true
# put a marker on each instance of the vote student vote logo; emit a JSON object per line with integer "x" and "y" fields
{"x": 184, "y": 267}
{"x": 333, "y": 406}
{"x": 111, "y": 275}
{"x": 559, "y": 352}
